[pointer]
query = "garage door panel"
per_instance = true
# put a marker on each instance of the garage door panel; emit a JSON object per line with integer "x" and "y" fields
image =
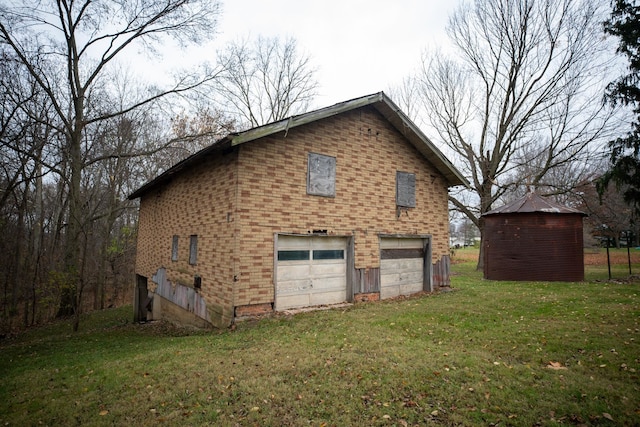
{"x": 410, "y": 243}
{"x": 329, "y": 269}
{"x": 389, "y": 292}
{"x": 401, "y": 243}
{"x": 294, "y": 286}
{"x": 291, "y": 272}
{"x": 395, "y": 268}
{"x": 402, "y": 253}
{"x": 401, "y": 267}
{"x": 327, "y": 283}
{"x": 389, "y": 279}
{"x": 329, "y": 243}
{"x": 403, "y": 278}
{"x": 410, "y": 288}
{"x": 411, "y": 277}
{"x": 412, "y": 264}
{"x": 293, "y": 301}
{"x": 327, "y": 298}
{"x": 319, "y": 279}
{"x": 292, "y": 243}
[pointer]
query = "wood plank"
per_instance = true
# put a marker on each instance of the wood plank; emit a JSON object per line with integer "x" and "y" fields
{"x": 401, "y": 253}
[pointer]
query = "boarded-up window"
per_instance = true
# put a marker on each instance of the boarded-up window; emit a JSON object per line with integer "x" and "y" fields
{"x": 174, "y": 249}
{"x": 193, "y": 249}
{"x": 321, "y": 176}
{"x": 406, "y": 189}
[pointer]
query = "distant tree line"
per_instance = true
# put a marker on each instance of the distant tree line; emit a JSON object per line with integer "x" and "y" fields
{"x": 80, "y": 131}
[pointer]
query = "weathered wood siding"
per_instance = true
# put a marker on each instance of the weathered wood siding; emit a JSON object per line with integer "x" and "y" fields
{"x": 366, "y": 280}
{"x": 442, "y": 272}
{"x": 183, "y": 296}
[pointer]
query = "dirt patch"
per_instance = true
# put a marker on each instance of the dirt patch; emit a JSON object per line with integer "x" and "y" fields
{"x": 617, "y": 257}
{"x": 591, "y": 256}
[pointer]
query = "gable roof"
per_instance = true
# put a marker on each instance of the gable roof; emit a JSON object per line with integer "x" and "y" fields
{"x": 533, "y": 202}
{"x": 381, "y": 102}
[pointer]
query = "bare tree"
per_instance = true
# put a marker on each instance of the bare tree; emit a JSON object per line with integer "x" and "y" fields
{"x": 24, "y": 110}
{"x": 68, "y": 48}
{"x": 265, "y": 80}
{"x": 523, "y": 94}
{"x": 609, "y": 215}
{"x": 407, "y": 96}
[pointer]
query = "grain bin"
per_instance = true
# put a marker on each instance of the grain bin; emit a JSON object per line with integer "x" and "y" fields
{"x": 533, "y": 239}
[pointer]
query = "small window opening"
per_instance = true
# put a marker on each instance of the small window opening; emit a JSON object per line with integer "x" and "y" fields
{"x": 174, "y": 248}
{"x": 193, "y": 249}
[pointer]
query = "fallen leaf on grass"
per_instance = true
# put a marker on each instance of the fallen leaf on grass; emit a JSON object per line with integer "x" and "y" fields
{"x": 556, "y": 365}
{"x": 607, "y": 416}
{"x": 105, "y": 412}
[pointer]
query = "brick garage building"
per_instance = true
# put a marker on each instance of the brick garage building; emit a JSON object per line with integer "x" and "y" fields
{"x": 344, "y": 203}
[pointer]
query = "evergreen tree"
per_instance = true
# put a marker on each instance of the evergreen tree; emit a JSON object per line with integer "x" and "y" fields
{"x": 625, "y": 152}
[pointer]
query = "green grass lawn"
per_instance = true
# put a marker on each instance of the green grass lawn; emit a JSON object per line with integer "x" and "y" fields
{"x": 486, "y": 353}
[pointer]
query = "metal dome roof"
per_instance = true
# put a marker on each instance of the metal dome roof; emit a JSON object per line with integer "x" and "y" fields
{"x": 533, "y": 202}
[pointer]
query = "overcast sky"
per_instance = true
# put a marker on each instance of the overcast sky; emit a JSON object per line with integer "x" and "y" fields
{"x": 359, "y": 46}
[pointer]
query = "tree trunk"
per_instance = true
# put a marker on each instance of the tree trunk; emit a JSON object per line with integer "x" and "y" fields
{"x": 110, "y": 219}
{"x": 486, "y": 200}
{"x": 68, "y": 301}
{"x": 98, "y": 298}
{"x": 18, "y": 271}
{"x": 481, "y": 254}
{"x": 37, "y": 240}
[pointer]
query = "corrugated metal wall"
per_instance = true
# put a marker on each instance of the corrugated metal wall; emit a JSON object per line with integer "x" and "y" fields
{"x": 536, "y": 246}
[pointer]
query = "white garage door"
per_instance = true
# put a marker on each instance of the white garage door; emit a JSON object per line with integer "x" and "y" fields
{"x": 311, "y": 271}
{"x": 401, "y": 266}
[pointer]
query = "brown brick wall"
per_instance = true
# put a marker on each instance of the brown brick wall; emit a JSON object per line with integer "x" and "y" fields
{"x": 369, "y": 151}
{"x": 254, "y": 310}
{"x": 201, "y": 202}
{"x": 236, "y": 203}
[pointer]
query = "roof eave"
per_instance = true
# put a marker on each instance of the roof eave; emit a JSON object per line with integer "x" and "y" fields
{"x": 303, "y": 119}
{"x": 385, "y": 106}
{"x": 379, "y": 101}
{"x": 409, "y": 130}
{"x": 168, "y": 175}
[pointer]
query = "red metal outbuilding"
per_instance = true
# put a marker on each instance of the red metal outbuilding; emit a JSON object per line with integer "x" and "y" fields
{"x": 533, "y": 239}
